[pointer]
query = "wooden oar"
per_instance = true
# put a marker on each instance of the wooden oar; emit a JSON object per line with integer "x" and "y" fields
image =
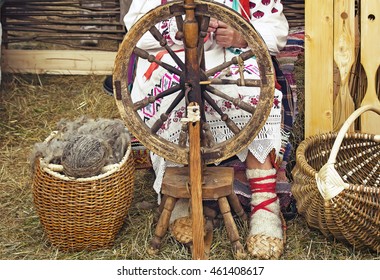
{"x": 344, "y": 56}
{"x": 370, "y": 58}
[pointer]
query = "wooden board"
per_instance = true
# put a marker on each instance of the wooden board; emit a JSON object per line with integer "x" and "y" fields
{"x": 370, "y": 58}
{"x": 319, "y": 66}
{"x": 344, "y": 56}
{"x": 60, "y": 62}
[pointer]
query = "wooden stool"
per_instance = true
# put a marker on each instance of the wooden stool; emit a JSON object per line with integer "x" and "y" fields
{"x": 217, "y": 185}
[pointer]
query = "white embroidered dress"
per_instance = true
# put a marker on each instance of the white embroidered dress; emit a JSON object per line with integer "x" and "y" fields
{"x": 269, "y": 22}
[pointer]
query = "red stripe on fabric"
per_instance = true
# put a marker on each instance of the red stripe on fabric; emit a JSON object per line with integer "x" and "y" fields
{"x": 245, "y": 5}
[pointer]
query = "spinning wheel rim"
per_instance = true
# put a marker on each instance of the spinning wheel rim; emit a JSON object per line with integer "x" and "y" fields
{"x": 163, "y": 147}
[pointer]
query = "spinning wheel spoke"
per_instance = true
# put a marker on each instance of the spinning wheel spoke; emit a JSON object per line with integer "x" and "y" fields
{"x": 202, "y": 35}
{"x": 179, "y": 21}
{"x": 236, "y": 101}
{"x": 224, "y": 117}
{"x": 158, "y": 36}
{"x": 164, "y": 117}
{"x": 145, "y": 102}
{"x": 208, "y": 139}
{"x": 239, "y": 82}
{"x": 151, "y": 58}
{"x": 235, "y": 60}
{"x": 183, "y": 135}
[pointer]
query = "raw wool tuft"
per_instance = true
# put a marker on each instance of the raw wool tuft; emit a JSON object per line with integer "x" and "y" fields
{"x": 48, "y": 152}
{"x": 105, "y": 137}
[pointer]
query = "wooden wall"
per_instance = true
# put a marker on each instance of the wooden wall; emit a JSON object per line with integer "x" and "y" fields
{"x": 319, "y": 65}
{"x": 43, "y": 36}
{"x": 335, "y": 81}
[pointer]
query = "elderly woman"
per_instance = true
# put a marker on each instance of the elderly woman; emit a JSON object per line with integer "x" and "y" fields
{"x": 222, "y": 44}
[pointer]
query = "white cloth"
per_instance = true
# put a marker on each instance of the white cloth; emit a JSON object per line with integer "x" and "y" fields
{"x": 271, "y": 24}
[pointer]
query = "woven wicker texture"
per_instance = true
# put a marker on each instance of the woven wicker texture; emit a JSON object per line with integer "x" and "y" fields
{"x": 83, "y": 214}
{"x": 352, "y": 216}
{"x": 182, "y": 230}
{"x": 265, "y": 247}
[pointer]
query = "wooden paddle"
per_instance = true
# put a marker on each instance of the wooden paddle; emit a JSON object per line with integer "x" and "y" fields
{"x": 370, "y": 59}
{"x": 344, "y": 56}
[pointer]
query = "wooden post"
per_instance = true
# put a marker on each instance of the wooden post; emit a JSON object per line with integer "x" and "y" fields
{"x": 195, "y": 174}
{"x": 319, "y": 66}
{"x": 191, "y": 33}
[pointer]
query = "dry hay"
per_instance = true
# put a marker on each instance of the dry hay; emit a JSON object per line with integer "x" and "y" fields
{"x": 30, "y": 108}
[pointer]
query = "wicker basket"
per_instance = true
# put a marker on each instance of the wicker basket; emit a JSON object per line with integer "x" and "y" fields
{"x": 339, "y": 192}
{"x": 83, "y": 213}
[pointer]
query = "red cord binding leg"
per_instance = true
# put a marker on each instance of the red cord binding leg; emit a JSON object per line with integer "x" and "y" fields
{"x": 257, "y": 187}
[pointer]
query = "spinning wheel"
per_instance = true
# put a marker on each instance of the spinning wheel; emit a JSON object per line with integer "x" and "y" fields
{"x": 179, "y": 152}
{"x": 196, "y": 144}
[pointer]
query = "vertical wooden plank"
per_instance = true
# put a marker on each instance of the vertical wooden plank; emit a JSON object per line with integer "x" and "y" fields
{"x": 370, "y": 59}
{"x": 195, "y": 178}
{"x": 344, "y": 57}
{"x": 318, "y": 66}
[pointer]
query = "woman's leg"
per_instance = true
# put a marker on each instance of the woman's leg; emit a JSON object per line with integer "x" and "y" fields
{"x": 265, "y": 240}
{"x": 252, "y": 163}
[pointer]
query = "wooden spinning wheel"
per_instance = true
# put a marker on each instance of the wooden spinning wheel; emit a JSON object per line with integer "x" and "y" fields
{"x": 195, "y": 146}
{"x": 203, "y": 10}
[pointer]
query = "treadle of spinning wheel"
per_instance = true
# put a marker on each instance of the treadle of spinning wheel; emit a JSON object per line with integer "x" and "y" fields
{"x": 217, "y": 182}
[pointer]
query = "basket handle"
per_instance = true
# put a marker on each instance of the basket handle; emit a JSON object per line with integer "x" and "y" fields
{"x": 343, "y": 130}
{"x": 328, "y": 180}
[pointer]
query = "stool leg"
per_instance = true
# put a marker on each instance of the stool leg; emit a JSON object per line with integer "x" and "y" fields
{"x": 162, "y": 224}
{"x": 236, "y": 205}
{"x": 231, "y": 228}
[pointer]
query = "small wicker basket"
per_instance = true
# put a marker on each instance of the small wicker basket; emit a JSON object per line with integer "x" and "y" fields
{"x": 339, "y": 192}
{"x": 83, "y": 213}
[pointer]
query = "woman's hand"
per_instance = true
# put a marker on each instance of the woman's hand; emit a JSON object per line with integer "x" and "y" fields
{"x": 225, "y": 35}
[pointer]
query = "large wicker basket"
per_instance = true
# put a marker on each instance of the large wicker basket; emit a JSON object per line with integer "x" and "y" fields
{"x": 83, "y": 213}
{"x": 337, "y": 184}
